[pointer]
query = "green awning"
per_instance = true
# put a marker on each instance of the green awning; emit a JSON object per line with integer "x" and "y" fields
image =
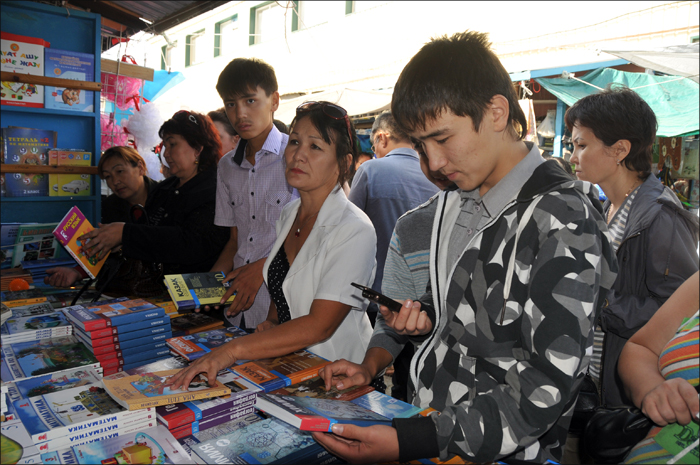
{"x": 674, "y": 100}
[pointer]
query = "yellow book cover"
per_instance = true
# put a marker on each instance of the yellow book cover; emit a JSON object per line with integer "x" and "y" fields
{"x": 193, "y": 290}
{"x": 145, "y": 390}
{"x": 68, "y": 231}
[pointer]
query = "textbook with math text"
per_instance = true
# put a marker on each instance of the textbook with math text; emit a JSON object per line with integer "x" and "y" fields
{"x": 151, "y": 389}
{"x": 68, "y": 232}
{"x": 194, "y": 290}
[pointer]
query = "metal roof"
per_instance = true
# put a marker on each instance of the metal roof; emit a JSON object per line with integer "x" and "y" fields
{"x": 122, "y": 18}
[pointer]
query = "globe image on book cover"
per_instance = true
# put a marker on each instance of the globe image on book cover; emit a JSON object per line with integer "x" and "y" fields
{"x": 152, "y": 385}
{"x": 44, "y": 321}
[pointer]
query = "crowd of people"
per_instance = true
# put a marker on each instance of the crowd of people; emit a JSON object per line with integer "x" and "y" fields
{"x": 515, "y": 281}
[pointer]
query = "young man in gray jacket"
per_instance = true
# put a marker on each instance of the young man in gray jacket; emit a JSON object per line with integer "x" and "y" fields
{"x": 519, "y": 267}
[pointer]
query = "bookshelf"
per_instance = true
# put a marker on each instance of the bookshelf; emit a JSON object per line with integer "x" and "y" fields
{"x": 64, "y": 29}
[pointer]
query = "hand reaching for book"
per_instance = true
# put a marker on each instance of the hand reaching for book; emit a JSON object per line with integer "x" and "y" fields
{"x": 102, "y": 239}
{"x": 62, "y": 276}
{"x": 211, "y": 364}
{"x": 342, "y": 374}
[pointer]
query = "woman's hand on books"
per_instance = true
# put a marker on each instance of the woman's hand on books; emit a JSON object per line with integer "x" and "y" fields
{"x": 62, "y": 276}
{"x": 102, "y": 239}
{"x": 410, "y": 321}
{"x": 210, "y": 364}
{"x": 245, "y": 282}
{"x": 355, "y": 444}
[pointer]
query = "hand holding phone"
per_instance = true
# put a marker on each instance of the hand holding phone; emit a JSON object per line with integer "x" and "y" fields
{"x": 376, "y": 297}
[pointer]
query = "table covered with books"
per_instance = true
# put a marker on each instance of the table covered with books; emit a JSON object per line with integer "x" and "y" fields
{"x": 87, "y": 383}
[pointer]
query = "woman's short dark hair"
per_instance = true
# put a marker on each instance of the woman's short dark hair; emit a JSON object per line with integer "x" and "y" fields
{"x": 461, "y": 74}
{"x": 219, "y": 116}
{"x": 128, "y": 154}
{"x": 333, "y": 131}
{"x": 198, "y": 130}
{"x": 618, "y": 113}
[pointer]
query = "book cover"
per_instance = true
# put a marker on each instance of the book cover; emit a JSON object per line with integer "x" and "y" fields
{"x": 195, "y": 345}
{"x": 188, "y": 442}
{"x": 275, "y": 373}
{"x": 32, "y": 309}
{"x": 74, "y": 410}
{"x": 129, "y": 311}
{"x": 99, "y": 433}
{"x": 151, "y": 389}
{"x": 26, "y": 146}
{"x": 148, "y": 446}
{"x": 386, "y": 406}
{"x": 46, "y": 384}
{"x": 24, "y": 55}
{"x": 311, "y": 414}
{"x": 192, "y": 290}
{"x": 22, "y": 298}
{"x": 274, "y": 442}
{"x": 145, "y": 336}
{"x": 17, "y": 445}
{"x": 111, "y": 352}
{"x": 69, "y": 184}
{"x": 34, "y": 358}
{"x": 127, "y": 331}
{"x": 76, "y": 66}
{"x": 211, "y": 422}
{"x": 68, "y": 232}
{"x": 133, "y": 357}
{"x": 316, "y": 387}
{"x": 36, "y": 327}
{"x": 242, "y": 393}
{"x": 194, "y": 322}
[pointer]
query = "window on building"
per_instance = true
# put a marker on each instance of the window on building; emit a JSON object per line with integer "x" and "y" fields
{"x": 194, "y": 52}
{"x": 224, "y": 33}
{"x": 166, "y": 56}
{"x": 357, "y": 6}
{"x": 312, "y": 13}
{"x": 267, "y": 22}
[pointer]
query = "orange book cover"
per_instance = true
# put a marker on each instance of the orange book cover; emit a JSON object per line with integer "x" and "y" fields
{"x": 68, "y": 232}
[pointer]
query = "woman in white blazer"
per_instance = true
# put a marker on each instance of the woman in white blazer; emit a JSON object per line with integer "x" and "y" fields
{"x": 324, "y": 243}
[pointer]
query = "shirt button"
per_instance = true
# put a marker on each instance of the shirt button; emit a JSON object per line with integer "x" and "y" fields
{"x": 469, "y": 231}
{"x": 177, "y": 192}
{"x": 253, "y": 171}
{"x": 278, "y": 201}
{"x": 252, "y": 193}
{"x": 251, "y": 239}
{"x": 233, "y": 203}
{"x": 247, "y": 261}
{"x": 253, "y": 216}
{"x": 477, "y": 208}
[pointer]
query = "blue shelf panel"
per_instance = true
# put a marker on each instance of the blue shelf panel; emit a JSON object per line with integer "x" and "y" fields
{"x": 50, "y": 111}
{"x": 47, "y": 209}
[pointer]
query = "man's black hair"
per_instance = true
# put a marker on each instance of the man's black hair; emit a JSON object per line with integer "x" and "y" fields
{"x": 618, "y": 113}
{"x": 459, "y": 73}
{"x": 242, "y": 75}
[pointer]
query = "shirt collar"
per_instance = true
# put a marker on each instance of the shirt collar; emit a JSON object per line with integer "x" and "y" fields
{"x": 507, "y": 189}
{"x": 273, "y": 144}
{"x": 403, "y": 151}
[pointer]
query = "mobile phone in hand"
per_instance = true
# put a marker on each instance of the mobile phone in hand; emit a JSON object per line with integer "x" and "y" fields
{"x": 376, "y": 297}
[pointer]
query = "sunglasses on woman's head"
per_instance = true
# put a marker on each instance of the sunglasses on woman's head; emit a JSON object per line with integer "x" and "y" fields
{"x": 332, "y": 111}
{"x": 190, "y": 116}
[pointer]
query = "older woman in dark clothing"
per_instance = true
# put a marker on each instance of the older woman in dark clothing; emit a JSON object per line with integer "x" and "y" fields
{"x": 180, "y": 233}
{"x": 654, "y": 238}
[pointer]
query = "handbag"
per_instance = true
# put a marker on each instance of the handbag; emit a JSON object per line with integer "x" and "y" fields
{"x": 586, "y": 404}
{"x": 611, "y": 433}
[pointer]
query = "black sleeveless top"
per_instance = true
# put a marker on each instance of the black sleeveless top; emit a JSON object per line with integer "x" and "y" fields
{"x": 275, "y": 277}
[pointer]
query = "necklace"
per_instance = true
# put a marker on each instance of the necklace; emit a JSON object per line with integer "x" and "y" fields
{"x": 610, "y": 210}
{"x": 298, "y": 231}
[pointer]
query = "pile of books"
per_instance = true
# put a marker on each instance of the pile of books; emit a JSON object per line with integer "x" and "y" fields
{"x": 194, "y": 290}
{"x": 32, "y": 328}
{"x": 191, "y": 323}
{"x": 10, "y": 274}
{"x": 122, "y": 333}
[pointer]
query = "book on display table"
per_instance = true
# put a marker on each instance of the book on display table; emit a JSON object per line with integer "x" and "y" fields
{"x": 60, "y": 380}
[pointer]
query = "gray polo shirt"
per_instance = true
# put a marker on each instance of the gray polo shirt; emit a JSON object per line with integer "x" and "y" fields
{"x": 477, "y": 211}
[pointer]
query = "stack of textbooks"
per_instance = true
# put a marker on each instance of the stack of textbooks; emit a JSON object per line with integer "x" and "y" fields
{"x": 32, "y": 328}
{"x": 194, "y": 290}
{"x": 34, "y": 358}
{"x": 124, "y": 334}
{"x": 275, "y": 373}
{"x": 19, "y": 298}
{"x": 195, "y": 345}
{"x": 151, "y": 445}
{"x": 191, "y": 417}
{"x": 78, "y": 415}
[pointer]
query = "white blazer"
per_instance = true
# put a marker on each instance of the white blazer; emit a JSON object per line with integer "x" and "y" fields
{"x": 340, "y": 249}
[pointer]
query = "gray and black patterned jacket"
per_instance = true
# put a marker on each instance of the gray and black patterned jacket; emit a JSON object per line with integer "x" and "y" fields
{"x": 504, "y": 373}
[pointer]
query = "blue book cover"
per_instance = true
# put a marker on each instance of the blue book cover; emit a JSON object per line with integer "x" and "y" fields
{"x": 124, "y": 330}
{"x": 386, "y": 406}
{"x": 195, "y": 345}
{"x": 188, "y": 442}
{"x": 45, "y": 384}
{"x": 152, "y": 354}
{"x": 282, "y": 444}
{"x": 27, "y": 146}
{"x": 75, "y": 66}
{"x": 128, "y": 311}
{"x": 155, "y": 345}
